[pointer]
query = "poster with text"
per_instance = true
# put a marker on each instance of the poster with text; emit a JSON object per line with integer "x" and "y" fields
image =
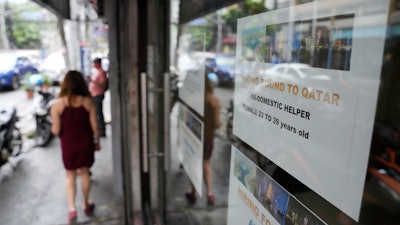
{"x": 257, "y": 199}
{"x": 306, "y": 92}
{"x": 190, "y": 146}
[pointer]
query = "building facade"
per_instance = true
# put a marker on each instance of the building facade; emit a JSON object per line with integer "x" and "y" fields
{"x": 308, "y": 109}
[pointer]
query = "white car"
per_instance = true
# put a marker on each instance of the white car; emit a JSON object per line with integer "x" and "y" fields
{"x": 295, "y": 72}
{"x": 54, "y": 67}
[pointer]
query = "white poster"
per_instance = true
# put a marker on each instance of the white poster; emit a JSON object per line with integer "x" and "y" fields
{"x": 192, "y": 67}
{"x": 192, "y": 90}
{"x": 306, "y": 92}
{"x": 243, "y": 207}
{"x": 256, "y": 199}
{"x": 190, "y": 146}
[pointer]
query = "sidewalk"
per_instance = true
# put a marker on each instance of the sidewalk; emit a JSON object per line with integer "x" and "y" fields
{"x": 178, "y": 209}
{"x": 34, "y": 192}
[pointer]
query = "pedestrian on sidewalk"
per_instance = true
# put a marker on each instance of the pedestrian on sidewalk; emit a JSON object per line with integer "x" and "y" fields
{"x": 211, "y": 122}
{"x": 74, "y": 121}
{"x": 97, "y": 87}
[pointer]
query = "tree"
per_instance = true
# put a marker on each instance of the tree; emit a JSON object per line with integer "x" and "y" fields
{"x": 201, "y": 34}
{"x": 26, "y": 35}
{"x": 4, "y": 39}
{"x": 209, "y": 24}
{"x": 242, "y": 9}
{"x": 22, "y": 33}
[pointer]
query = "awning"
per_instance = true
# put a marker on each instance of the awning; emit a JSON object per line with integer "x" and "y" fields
{"x": 192, "y": 9}
{"x": 189, "y": 9}
{"x": 59, "y": 7}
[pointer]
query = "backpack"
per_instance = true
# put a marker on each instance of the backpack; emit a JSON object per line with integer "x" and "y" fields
{"x": 107, "y": 84}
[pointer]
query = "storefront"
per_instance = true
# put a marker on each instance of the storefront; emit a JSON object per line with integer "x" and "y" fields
{"x": 314, "y": 128}
{"x": 308, "y": 111}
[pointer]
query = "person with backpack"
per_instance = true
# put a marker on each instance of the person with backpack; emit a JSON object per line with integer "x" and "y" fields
{"x": 98, "y": 84}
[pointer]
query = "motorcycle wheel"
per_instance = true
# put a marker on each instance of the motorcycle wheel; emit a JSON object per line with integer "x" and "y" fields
{"x": 4, "y": 155}
{"x": 43, "y": 134}
{"x": 229, "y": 129}
{"x": 16, "y": 142}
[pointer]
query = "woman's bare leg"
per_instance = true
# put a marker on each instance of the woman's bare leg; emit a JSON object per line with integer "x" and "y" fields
{"x": 86, "y": 184}
{"x": 207, "y": 170}
{"x": 70, "y": 186}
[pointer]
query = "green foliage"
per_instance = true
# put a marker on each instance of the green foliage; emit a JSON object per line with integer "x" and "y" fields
{"x": 231, "y": 18}
{"x": 46, "y": 80}
{"x": 209, "y": 30}
{"x": 27, "y": 87}
{"x": 27, "y": 84}
{"x": 245, "y": 8}
{"x": 201, "y": 35}
{"x": 250, "y": 7}
{"x": 24, "y": 33}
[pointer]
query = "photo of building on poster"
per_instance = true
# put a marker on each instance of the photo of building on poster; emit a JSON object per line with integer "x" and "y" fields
{"x": 327, "y": 44}
{"x": 190, "y": 146}
{"x": 297, "y": 214}
{"x": 272, "y": 196}
{"x": 252, "y": 190}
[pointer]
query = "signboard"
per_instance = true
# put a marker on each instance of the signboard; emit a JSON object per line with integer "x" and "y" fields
{"x": 306, "y": 92}
{"x": 256, "y": 199}
{"x": 192, "y": 68}
{"x": 190, "y": 152}
{"x": 86, "y": 64}
{"x": 192, "y": 90}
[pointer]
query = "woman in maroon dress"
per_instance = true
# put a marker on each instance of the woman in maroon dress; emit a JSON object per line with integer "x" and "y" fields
{"x": 74, "y": 121}
{"x": 212, "y": 108}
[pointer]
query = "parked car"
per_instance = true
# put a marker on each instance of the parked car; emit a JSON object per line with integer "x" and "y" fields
{"x": 224, "y": 67}
{"x": 13, "y": 70}
{"x": 298, "y": 72}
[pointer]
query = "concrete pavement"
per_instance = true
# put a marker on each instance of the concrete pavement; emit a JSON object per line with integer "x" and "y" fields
{"x": 32, "y": 186}
{"x": 179, "y": 211}
{"x": 34, "y": 193}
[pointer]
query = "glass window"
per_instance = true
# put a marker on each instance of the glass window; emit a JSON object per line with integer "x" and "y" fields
{"x": 306, "y": 131}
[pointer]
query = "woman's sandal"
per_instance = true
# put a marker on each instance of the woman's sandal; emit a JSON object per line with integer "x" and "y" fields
{"x": 191, "y": 197}
{"x": 210, "y": 202}
{"x": 90, "y": 209}
{"x": 72, "y": 218}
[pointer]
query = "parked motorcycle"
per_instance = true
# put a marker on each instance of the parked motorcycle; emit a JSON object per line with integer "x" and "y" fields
{"x": 10, "y": 135}
{"x": 43, "y": 134}
{"x": 229, "y": 123}
{"x": 175, "y": 84}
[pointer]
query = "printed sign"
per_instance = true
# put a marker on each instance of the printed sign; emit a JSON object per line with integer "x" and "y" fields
{"x": 192, "y": 90}
{"x": 190, "y": 146}
{"x": 256, "y": 199}
{"x": 306, "y": 92}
